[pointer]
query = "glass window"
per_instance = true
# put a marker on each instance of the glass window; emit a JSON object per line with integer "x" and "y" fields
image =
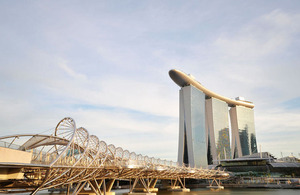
{"x": 221, "y": 128}
{"x": 198, "y": 127}
{"x": 246, "y": 128}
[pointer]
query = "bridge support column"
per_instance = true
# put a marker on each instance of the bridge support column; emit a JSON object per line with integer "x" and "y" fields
{"x": 109, "y": 185}
{"x": 79, "y": 187}
{"x": 146, "y": 187}
{"x": 152, "y": 183}
{"x": 178, "y": 186}
{"x": 217, "y": 186}
{"x": 98, "y": 187}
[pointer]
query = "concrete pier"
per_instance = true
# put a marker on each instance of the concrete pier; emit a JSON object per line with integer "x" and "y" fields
{"x": 91, "y": 192}
{"x": 178, "y": 189}
{"x": 137, "y": 190}
{"x": 216, "y": 187}
{"x": 141, "y": 193}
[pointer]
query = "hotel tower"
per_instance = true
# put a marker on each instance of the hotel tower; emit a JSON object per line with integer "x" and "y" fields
{"x": 204, "y": 124}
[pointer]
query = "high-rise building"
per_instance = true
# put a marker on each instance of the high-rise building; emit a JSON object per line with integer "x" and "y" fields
{"x": 243, "y": 131}
{"x": 218, "y": 139}
{"x": 204, "y": 124}
{"x": 192, "y": 136}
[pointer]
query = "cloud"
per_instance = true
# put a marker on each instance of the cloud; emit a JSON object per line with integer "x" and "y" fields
{"x": 270, "y": 34}
{"x": 63, "y": 65}
{"x": 292, "y": 103}
{"x": 278, "y": 120}
{"x": 258, "y": 58}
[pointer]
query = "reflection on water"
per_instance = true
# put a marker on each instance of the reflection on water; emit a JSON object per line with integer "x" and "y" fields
{"x": 204, "y": 191}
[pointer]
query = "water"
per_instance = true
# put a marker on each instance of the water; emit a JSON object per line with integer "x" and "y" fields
{"x": 236, "y": 191}
{"x": 205, "y": 191}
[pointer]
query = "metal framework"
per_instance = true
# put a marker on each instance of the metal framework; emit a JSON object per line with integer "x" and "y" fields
{"x": 72, "y": 157}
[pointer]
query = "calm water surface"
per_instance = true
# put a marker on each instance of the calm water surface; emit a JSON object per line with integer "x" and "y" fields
{"x": 204, "y": 191}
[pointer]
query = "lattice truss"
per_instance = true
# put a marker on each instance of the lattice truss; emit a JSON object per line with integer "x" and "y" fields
{"x": 70, "y": 155}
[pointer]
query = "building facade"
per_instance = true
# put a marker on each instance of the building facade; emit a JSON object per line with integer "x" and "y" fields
{"x": 243, "y": 131}
{"x": 204, "y": 129}
{"x": 192, "y": 136}
{"x": 217, "y": 124}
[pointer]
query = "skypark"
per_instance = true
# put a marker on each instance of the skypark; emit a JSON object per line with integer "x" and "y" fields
{"x": 182, "y": 79}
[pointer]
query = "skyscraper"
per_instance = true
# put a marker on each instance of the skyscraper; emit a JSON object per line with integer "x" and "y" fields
{"x": 192, "y": 138}
{"x": 204, "y": 125}
{"x": 243, "y": 131}
{"x": 217, "y": 130}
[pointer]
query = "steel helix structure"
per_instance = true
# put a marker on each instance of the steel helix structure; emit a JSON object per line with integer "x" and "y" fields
{"x": 70, "y": 155}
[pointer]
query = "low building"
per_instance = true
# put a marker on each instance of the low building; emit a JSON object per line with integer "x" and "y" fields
{"x": 260, "y": 165}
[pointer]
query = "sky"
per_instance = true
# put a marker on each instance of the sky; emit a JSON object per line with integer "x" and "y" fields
{"x": 106, "y": 63}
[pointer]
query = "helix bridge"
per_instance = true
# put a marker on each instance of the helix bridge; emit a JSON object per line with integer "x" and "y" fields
{"x": 70, "y": 157}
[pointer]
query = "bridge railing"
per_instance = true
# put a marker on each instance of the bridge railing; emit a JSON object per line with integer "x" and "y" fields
{"x": 11, "y": 146}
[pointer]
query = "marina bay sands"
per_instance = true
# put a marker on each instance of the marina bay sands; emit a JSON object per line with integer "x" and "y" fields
{"x": 204, "y": 125}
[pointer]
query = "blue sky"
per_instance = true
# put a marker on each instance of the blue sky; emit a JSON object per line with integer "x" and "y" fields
{"x": 106, "y": 63}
